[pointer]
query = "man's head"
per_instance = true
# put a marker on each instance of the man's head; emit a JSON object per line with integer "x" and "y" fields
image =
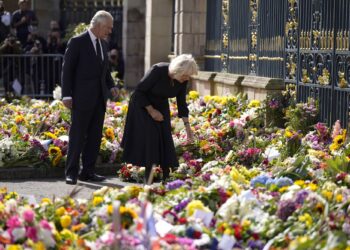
{"x": 102, "y": 24}
{"x": 2, "y": 8}
{"x": 23, "y": 4}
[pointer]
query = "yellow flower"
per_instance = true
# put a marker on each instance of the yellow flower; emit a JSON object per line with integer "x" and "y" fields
{"x": 133, "y": 191}
{"x": 39, "y": 246}
{"x": 246, "y": 223}
{"x": 228, "y": 231}
{"x": 193, "y": 206}
{"x": 14, "y": 247}
{"x": 283, "y": 189}
{"x": 11, "y": 195}
{"x": 57, "y": 159}
{"x": 338, "y": 141}
{"x": 254, "y": 104}
{"x": 339, "y": 198}
{"x": 53, "y": 150}
{"x": 60, "y": 211}
{"x": 19, "y": 119}
{"x": 203, "y": 143}
{"x": 2, "y": 207}
{"x": 109, "y": 133}
{"x": 125, "y": 109}
{"x": 193, "y": 95}
{"x": 50, "y": 135}
{"x": 300, "y": 183}
{"x": 288, "y": 133}
{"x": 235, "y": 187}
{"x": 110, "y": 209}
{"x": 307, "y": 219}
{"x": 127, "y": 211}
{"x": 67, "y": 234}
{"x": 97, "y": 201}
{"x": 65, "y": 221}
{"x": 207, "y": 98}
{"x": 46, "y": 200}
{"x": 312, "y": 186}
{"x": 327, "y": 194}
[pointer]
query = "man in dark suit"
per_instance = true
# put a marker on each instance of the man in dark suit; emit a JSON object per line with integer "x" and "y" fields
{"x": 86, "y": 84}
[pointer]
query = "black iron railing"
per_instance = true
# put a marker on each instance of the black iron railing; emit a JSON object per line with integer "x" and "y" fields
{"x": 304, "y": 42}
{"x": 32, "y": 75}
{"x": 74, "y": 12}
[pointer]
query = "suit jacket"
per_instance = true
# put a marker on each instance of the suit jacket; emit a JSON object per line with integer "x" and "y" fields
{"x": 84, "y": 78}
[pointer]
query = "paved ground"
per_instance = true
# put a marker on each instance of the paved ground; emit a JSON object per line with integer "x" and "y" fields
{"x": 57, "y": 187}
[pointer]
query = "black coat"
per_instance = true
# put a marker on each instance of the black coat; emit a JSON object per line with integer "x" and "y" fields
{"x": 146, "y": 141}
{"x": 82, "y": 72}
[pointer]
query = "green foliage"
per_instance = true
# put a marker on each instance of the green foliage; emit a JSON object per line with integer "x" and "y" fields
{"x": 302, "y": 116}
{"x": 74, "y": 30}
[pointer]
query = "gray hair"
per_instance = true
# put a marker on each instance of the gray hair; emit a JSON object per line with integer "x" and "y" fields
{"x": 183, "y": 65}
{"x": 100, "y": 17}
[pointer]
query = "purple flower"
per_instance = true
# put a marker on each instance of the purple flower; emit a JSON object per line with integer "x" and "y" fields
{"x": 301, "y": 196}
{"x": 174, "y": 184}
{"x": 286, "y": 209}
{"x": 179, "y": 207}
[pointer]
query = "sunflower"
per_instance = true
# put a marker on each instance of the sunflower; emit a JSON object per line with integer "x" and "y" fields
{"x": 127, "y": 216}
{"x": 338, "y": 141}
{"x": 53, "y": 150}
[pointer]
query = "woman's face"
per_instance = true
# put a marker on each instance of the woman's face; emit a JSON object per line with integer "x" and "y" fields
{"x": 183, "y": 78}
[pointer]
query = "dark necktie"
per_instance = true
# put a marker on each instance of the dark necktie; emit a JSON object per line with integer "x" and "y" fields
{"x": 98, "y": 50}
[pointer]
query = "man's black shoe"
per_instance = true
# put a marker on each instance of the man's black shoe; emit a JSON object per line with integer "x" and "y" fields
{"x": 92, "y": 177}
{"x": 71, "y": 181}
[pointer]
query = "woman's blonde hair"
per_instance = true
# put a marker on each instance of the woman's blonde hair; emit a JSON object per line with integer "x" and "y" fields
{"x": 183, "y": 65}
{"x": 99, "y": 17}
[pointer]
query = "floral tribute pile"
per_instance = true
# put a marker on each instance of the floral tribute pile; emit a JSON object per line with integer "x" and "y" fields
{"x": 243, "y": 184}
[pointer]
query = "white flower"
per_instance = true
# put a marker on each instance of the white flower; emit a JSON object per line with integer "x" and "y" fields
{"x": 271, "y": 153}
{"x": 45, "y": 236}
{"x": 18, "y": 233}
{"x": 57, "y": 93}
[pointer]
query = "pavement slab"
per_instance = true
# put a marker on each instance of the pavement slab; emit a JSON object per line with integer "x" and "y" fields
{"x": 56, "y": 187}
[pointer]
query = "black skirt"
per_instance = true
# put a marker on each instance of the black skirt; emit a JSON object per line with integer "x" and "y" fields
{"x": 146, "y": 141}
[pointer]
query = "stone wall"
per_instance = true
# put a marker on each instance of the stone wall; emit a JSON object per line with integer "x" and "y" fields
{"x": 133, "y": 41}
{"x": 190, "y": 28}
{"x": 213, "y": 83}
{"x": 159, "y": 15}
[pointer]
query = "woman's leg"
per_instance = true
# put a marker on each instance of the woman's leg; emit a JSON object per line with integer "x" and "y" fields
{"x": 148, "y": 170}
{"x": 166, "y": 172}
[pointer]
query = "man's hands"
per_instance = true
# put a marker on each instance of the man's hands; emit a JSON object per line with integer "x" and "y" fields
{"x": 155, "y": 114}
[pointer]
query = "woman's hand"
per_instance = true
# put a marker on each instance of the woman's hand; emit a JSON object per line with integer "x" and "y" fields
{"x": 189, "y": 132}
{"x": 155, "y": 114}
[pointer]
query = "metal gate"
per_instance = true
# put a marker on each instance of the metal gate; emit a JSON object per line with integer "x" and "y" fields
{"x": 323, "y": 65}
{"x": 304, "y": 42}
{"x": 77, "y": 11}
{"x": 245, "y": 37}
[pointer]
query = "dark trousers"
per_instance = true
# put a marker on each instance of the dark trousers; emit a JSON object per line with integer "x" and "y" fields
{"x": 85, "y": 139}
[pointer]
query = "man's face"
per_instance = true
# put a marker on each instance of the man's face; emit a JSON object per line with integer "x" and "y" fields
{"x": 105, "y": 28}
{"x": 23, "y": 5}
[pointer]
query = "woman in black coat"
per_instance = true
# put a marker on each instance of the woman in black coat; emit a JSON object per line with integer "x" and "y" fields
{"x": 147, "y": 138}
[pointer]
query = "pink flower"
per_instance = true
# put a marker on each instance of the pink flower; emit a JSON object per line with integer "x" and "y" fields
{"x": 13, "y": 222}
{"x": 32, "y": 233}
{"x": 45, "y": 224}
{"x": 336, "y": 129}
{"x": 28, "y": 215}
